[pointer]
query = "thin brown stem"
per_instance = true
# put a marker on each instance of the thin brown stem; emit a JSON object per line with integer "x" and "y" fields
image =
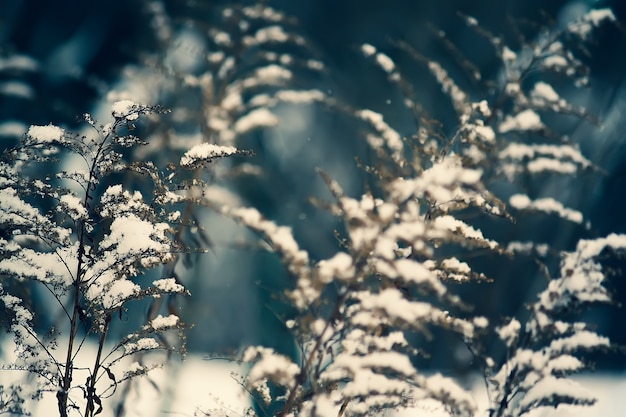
{"x": 91, "y": 387}
{"x": 302, "y": 375}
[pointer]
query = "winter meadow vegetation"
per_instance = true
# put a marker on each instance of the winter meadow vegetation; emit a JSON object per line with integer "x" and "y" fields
{"x": 101, "y": 224}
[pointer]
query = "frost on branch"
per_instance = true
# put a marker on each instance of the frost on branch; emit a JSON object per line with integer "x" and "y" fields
{"x": 245, "y": 64}
{"x": 84, "y": 247}
{"x": 206, "y": 152}
{"x": 356, "y": 306}
{"x": 414, "y": 234}
{"x": 269, "y": 366}
{"x": 544, "y": 352}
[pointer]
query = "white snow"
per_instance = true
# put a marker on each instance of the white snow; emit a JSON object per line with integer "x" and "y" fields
{"x": 548, "y": 205}
{"x": 368, "y": 50}
{"x": 145, "y": 343}
{"x": 208, "y": 386}
{"x": 590, "y": 20}
{"x": 456, "y": 265}
{"x": 508, "y": 55}
{"x": 49, "y": 133}
{"x": 486, "y": 133}
{"x": 268, "y": 34}
{"x": 451, "y": 224}
{"x": 300, "y": 96}
{"x": 391, "y": 137}
{"x": 581, "y": 339}
{"x": 125, "y": 109}
{"x": 525, "y": 120}
{"x": 206, "y": 152}
{"x": 18, "y": 62}
{"x": 509, "y": 332}
{"x": 168, "y": 285}
{"x": 556, "y": 158}
{"x": 17, "y": 88}
{"x": 73, "y": 206}
{"x": 544, "y": 91}
{"x": 385, "y": 62}
{"x": 270, "y": 366}
{"x": 257, "y": 118}
{"x": 448, "y": 389}
{"x": 132, "y": 235}
{"x": 448, "y": 86}
{"x": 12, "y": 128}
{"x": 118, "y": 293}
{"x": 160, "y": 322}
{"x": 339, "y": 266}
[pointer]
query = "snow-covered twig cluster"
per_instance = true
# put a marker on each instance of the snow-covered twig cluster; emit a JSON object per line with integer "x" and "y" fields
{"x": 85, "y": 241}
{"x": 358, "y": 310}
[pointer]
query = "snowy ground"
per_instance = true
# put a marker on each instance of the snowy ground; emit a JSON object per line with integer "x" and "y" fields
{"x": 199, "y": 386}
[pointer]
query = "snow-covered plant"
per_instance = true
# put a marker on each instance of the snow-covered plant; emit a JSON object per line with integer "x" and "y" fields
{"x": 80, "y": 245}
{"x": 223, "y": 76}
{"x": 543, "y": 352}
{"x": 224, "y": 69}
{"x": 405, "y": 242}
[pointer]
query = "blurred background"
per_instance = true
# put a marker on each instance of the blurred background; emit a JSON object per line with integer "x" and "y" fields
{"x": 63, "y": 58}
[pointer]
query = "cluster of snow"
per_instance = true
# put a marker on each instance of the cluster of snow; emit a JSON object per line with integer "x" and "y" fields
{"x": 386, "y": 134}
{"x": 206, "y": 152}
{"x": 455, "y": 269}
{"x": 544, "y": 92}
{"x": 445, "y": 183}
{"x": 509, "y": 332}
{"x": 168, "y": 285}
{"x": 368, "y": 50}
{"x": 130, "y": 235}
{"x": 145, "y": 343}
{"x": 478, "y": 130}
{"x": 222, "y": 38}
{"x": 300, "y": 96}
{"x": 525, "y": 120}
{"x": 226, "y": 68}
{"x": 115, "y": 200}
{"x": 161, "y": 323}
{"x": 520, "y": 151}
{"x": 339, "y": 266}
{"x": 261, "y": 11}
{"x": 49, "y": 133}
{"x": 19, "y": 63}
{"x": 581, "y": 276}
{"x": 450, "y": 393}
{"x": 589, "y": 21}
{"x": 257, "y": 118}
{"x": 17, "y": 88}
{"x": 539, "y": 158}
{"x": 548, "y": 205}
{"x": 449, "y": 87}
{"x": 117, "y": 293}
{"x": 540, "y": 249}
{"x": 269, "y": 75}
{"x": 451, "y": 224}
{"x": 270, "y": 34}
{"x": 269, "y": 366}
{"x": 390, "y": 306}
{"x": 385, "y": 63}
{"x": 126, "y": 109}
{"x": 73, "y": 206}
{"x": 12, "y": 128}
